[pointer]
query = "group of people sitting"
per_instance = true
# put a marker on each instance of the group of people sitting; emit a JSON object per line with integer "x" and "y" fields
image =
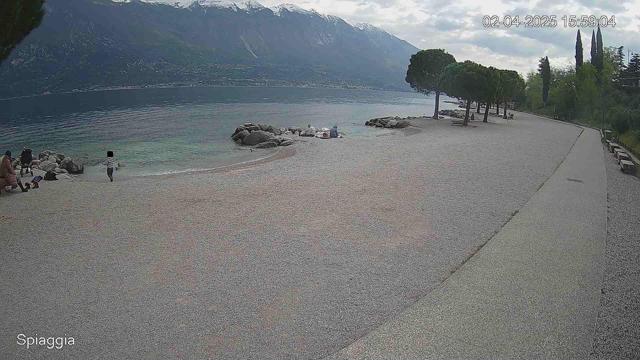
{"x": 8, "y": 176}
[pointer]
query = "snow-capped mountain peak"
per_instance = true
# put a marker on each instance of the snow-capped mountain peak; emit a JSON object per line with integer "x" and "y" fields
{"x": 368, "y": 27}
{"x": 291, "y": 8}
{"x": 229, "y": 4}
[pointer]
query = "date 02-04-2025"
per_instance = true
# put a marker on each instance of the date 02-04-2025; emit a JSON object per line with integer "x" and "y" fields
{"x": 548, "y": 21}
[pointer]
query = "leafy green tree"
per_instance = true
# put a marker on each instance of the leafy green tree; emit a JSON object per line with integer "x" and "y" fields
{"x": 578, "y": 51}
{"x": 511, "y": 87}
{"x": 533, "y": 91}
{"x": 631, "y": 74}
{"x": 618, "y": 117}
{"x": 425, "y": 72}
{"x": 587, "y": 92}
{"x": 617, "y": 60}
{"x": 17, "y": 19}
{"x": 544, "y": 69}
{"x": 564, "y": 95}
{"x": 466, "y": 81}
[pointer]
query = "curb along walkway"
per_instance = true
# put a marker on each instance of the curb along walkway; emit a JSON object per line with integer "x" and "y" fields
{"x": 533, "y": 291}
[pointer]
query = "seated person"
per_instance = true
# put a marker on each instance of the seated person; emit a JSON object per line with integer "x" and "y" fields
{"x": 333, "y": 133}
{"x": 8, "y": 174}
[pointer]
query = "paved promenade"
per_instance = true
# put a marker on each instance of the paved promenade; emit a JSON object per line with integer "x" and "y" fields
{"x": 532, "y": 292}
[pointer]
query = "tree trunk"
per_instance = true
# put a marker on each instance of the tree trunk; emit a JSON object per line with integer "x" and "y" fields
{"x": 486, "y": 112}
{"x": 505, "y": 110}
{"x": 497, "y": 107}
{"x": 478, "y": 108}
{"x": 436, "y": 111}
{"x": 465, "y": 122}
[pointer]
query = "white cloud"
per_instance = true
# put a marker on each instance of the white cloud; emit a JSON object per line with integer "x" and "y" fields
{"x": 457, "y": 26}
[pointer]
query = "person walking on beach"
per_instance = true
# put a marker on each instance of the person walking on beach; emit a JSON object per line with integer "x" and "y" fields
{"x": 26, "y": 159}
{"x": 111, "y": 164}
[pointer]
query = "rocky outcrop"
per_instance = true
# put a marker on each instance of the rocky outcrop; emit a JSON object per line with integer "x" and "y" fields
{"x": 458, "y": 114}
{"x": 257, "y": 137}
{"x": 50, "y": 175}
{"x": 48, "y": 165}
{"x": 57, "y": 163}
{"x": 389, "y": 122}
{"x": 72, "y": 166}
{"x": 262, "y": 136}
{"x": 308, "y": 132}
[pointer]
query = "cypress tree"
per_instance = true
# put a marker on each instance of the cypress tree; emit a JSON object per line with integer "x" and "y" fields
{"x": 594, "y": 50}
{"x": 600, "y": 50}
{"x": 545, "y": 72}
{"x": 578, "y": 51}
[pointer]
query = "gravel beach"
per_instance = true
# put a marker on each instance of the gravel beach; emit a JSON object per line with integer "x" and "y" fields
{"x": 617, "y": 331}
{"x": 292, "y": 258}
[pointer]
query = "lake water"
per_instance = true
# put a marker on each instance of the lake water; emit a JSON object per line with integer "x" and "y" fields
{"x": 158, "y": 131}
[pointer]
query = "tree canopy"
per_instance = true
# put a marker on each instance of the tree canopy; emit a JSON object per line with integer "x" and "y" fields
{"x": 17, "y": 19}
{"x": 425, "y": 72}
{"x": 466, "y": 81}
{"x": 510, "y": 87}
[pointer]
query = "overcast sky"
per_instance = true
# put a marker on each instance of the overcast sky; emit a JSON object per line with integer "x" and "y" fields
{"x": 457, "y": 26}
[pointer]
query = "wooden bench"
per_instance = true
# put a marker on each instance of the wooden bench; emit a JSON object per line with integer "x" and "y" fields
{"x": 457, "y": 122}
{"x": 624, "y": 156}
{"x": 613, "y": 146}
{"x": 627, "y": 166}
{"x": 617, "y": 152}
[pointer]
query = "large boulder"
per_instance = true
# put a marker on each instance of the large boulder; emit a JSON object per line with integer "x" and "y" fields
{"x": 239, "y": 129}
{"x": 389, "y": 122}
{"x": 50, "y": 175}
{"x": 257, "y": 137}
{"x": 48, "y": 165}
{"x": 286, "y": 142}
{"x": 267, "y": 144}
{"x": 72, "y": 166}
{"x": 308, "y": 132}
{"x": 238, "y": 136}
{"x": 402, "y": 124}
{"x": 44, "y": 155}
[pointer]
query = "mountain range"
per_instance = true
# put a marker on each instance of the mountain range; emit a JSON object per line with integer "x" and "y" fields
{"x": 95, "y": 44}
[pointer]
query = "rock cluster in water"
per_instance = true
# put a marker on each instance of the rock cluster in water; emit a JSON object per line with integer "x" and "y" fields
{"x": 261, "y": 136}
{"x": 388, "y": 122}
{"x": 50, "y": 161}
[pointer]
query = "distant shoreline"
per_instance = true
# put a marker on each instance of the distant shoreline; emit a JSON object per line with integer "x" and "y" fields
{"x": 177, "y": 86}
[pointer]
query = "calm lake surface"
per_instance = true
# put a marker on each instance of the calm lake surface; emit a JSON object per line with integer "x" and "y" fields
{"x": 158, "y": 131}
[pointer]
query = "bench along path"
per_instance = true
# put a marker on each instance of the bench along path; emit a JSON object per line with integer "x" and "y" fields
{"x": 532, "y": 291}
